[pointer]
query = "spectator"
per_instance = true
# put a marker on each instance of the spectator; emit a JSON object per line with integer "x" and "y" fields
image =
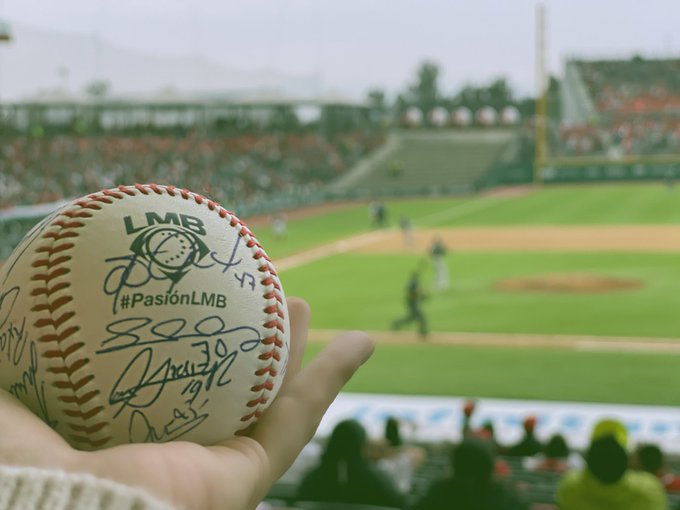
{"x": 472, "y": 485}
{"x": 555, "y": 457}
{"x": 486, "y": 432}
{"x": 606, "y": 483}
{"x": 528, "y": 445}
{"x": 650, "y": 458}
{"x": 468, "y": 410}
{"x": 397, "y": 458}
{"x": 346, "y": 475}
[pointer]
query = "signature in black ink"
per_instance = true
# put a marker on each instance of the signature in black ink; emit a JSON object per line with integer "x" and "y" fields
{"x": 145, "y": 377}
{"x": 136, "y": 270}
{"x": 7, "y": 301}
{"x": 140, "y": 429}
{"x": 13, "y": 341}
{"x": 130, "y": 271}
{"x": 139, "y": 331}
{"x": 226, "y": 265}
{"x": 29, "y": 386}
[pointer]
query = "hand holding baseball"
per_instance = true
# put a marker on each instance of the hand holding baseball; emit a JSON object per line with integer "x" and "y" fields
{"x": 234, "y": 474}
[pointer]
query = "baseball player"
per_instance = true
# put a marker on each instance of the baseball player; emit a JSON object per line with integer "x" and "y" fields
{"x": 414, "y": 298}
{"x": 441, "y": 271}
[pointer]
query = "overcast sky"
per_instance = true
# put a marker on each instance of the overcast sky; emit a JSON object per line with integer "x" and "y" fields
{"x": 356, "y": 44}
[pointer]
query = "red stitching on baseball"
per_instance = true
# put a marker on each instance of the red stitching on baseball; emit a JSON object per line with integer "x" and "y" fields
{"x": 273, "y": 340}
{"x": 267, "y": 370}
{"x": 89, "y": 429}
{"x": 58, "y": 353}
{"x": 51, "y": 307}
{"x": 126, "y": 190}
{"x": 77, "y": 214}
{"x": 73, "y": 386}
{"x": 68, "y": 224}
{"x": 104, "y": 200}
{"x": 76, "y": 413}
{"x": 46, "y": 262}
{"x": 258, "y": 401}
{"x": 45, "y": 339}
{"x": 254, "y": 414}
{"x": 68, "y": 370}
{"x": 60, "y": 235}
{"x": 111, "y": 193}
{"x": 54, "y": 249}
{"x": 51, "y": 290}
{"x": 74, "y": 399}
{"x": 41, "y": 323}
{"x": 269, "y": 355}
{"x": 267, "y": 385}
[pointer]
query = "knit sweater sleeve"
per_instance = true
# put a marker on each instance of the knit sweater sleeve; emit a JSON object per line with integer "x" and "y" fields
{"x": 26, "y": 488}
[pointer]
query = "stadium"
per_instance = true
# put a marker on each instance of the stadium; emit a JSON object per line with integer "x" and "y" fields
{"x": 558, "y": 214}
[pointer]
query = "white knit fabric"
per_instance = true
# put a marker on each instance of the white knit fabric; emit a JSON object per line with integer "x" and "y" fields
{"x": 25, "y": 488}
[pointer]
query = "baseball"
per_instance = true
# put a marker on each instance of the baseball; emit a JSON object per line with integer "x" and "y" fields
{"x": 142, "y": 313}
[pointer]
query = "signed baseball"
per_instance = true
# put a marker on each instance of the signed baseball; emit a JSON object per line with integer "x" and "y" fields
{"x": 142, "y": 313}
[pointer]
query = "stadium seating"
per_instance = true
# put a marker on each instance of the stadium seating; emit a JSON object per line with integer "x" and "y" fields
{"x": 229, "y": 168}
{"x": 537, "y": 488}
{"x": 618, "y": 108}
{"x": 433, "y": 162}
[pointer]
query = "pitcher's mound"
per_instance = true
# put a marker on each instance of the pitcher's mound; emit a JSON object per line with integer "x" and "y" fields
{"x": 568, "y": 283}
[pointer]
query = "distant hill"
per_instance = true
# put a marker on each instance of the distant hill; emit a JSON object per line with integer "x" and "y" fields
{"x": 39, "y": 62}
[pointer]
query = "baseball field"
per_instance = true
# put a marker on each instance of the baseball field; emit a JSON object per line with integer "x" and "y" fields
{"x": 557, "y": 293}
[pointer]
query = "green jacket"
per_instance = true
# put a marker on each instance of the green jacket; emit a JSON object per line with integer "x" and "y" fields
{"x": 580, "y": 490}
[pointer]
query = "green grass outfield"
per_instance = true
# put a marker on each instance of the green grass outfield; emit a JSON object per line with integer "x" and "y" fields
{"x": 365, "y": 291}
{"x": 518, "y": 373}
{"x": 623, "y": 204}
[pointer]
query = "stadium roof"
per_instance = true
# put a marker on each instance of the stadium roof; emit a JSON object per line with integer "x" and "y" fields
{"x": 172, "y": 99}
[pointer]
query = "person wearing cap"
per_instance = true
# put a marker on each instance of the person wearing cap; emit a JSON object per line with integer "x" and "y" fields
{"x": 607, "y": 483}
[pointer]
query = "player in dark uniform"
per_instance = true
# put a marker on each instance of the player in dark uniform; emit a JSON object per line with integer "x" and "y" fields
{"x": 414, "y": 299}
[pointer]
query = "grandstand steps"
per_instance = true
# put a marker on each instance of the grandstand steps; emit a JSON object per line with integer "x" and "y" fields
{"x": 430, "y": 162}
{"x": 365, "y": 166}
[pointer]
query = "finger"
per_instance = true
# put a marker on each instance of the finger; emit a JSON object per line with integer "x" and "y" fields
{"x": 25, "y": 437}
{"x": 291, "y": 421}
{"x": 298, "y": 311}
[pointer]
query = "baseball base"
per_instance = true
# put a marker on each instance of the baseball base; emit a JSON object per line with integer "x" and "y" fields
{"x": 142, "y": 313}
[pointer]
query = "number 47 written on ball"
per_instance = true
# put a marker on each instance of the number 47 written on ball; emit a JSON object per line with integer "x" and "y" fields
{"x": 246, "y": 279}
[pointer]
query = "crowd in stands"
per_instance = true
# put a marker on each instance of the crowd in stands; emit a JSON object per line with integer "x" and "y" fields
{"x": 637, "y": 104}
{"x": 637, "y": 136}
{"x": 477, "y": 473}
{"x": 228, "y": 169}
{"x": 635, "y": 86}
